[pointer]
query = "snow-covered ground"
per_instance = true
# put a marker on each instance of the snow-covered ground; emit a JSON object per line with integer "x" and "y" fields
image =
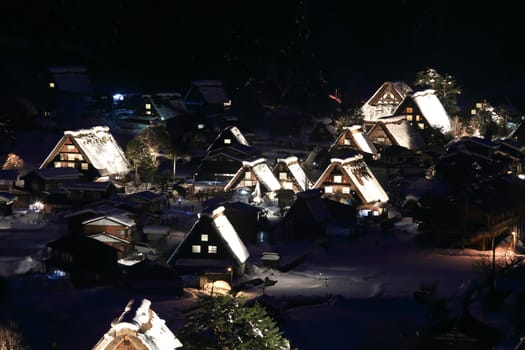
{"x": 356, "y": 293}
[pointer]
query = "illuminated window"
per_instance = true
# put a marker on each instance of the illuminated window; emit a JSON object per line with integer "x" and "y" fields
{"x": 248, "y": 183}
{"x": 70, "y": 165}
{"x": 58, "y": 164}
{"x": 473, "y": 112}
{"x": 346, "y": 190}
{"x": 409, "y": 117}
{"x": 204, "y": 238}
{"x": 328, "y": 189}
{"x": 282, "y": 176}
{"x": 200, "y": 126}
{"x": 421, "y": 125}
{"x": 148, "y": 112}
{"x": 338, "y": 179}
{"x": 71, "y": 148}
{"x": 288, "y": 185}
{"x": 248, "y": 175}
{"x": 346, "y": 142}
{"x": 479, "y": 105}
{"x": 418, "y": 117}
{"x": 84, "y": 166}
{"x": 410, "y": 110}
{"x": 47, "y": 114}
{"x": 148, "y": 105}
{"x": 212, "y": 249}
{"x": 195, "y": 248}
{"x": 52, "y": 85}
{"x": 380, "y": 139}
{"x": 227, "y": 141}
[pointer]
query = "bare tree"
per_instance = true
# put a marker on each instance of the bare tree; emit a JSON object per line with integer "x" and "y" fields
{"x": 11, "y": 337}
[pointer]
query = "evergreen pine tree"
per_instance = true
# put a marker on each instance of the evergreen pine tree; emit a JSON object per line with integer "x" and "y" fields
{"x": 226, "y": 323}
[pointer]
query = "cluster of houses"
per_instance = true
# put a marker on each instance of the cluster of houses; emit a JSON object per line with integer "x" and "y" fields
{"x": 472, "y": 190}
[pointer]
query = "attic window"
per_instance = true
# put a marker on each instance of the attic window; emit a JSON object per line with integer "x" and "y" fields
{"x": 212, "y": 249}
{"x": 204, "y": 238}
{"x": 248, "y": 175}
{"x": 196, "y": 249}
{"x": 338, "y": 179}
{"x": 51, "y": 85}
{"x": 479, "y": 105}
{"x": 410, "y": 110}
{"x": 346, "y": 142}
{"x": 227, "y": 141}
{"x": 418, "y": 117}
{"x": 473, "y": 112}
{"x": 148, "y": 106}
{"x": 282, "y": 176}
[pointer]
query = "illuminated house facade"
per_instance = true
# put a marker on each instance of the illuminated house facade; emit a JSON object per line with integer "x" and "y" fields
{"x": 116, "y": 231}
{"x": 92, "y": 151}
{"x": 291, "y": 175}
{"x": 351, "y": 180}
{"x": 256, "y": 176}
{"x": 396, "y": 131}
{"x": 385, "y": 100}
{"x": 353, "y": 137}
{"x": 212, "y": 245}
{"x": 138, "y": 328}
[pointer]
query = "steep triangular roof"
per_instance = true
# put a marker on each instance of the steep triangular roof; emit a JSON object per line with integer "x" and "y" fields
{"x": 353, "y": 136}
{"x": 138, "y": 328}
{"x": 98, "y": 146}
{"x": 386, "y": 98}
{"x": 262, "y": 172}
{"x": 214, "y": 218}
{"x": 298, "y": 176}
{"x": 360, "y": 177}
{"x": 400, "y": 133}
{"x": 432, "y": 109}
{"x": 228, "y": 137}
{"x": 110, "y": 220}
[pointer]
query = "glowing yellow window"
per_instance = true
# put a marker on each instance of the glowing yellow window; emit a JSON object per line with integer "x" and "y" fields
{"x": 148, "y": 105}
{"x": 212, "y": 249}
{"x": 409, "y": 117}
{"x": 195, "y": 248}
{"x": 338, "y": 179}
{"x": 227, "y": 141}
{"x": 346, "y": 190}
{"x": 204, "y": 238}
{"x": 410, "y": 110}
{"x": 328, "y": 189}
{"x": 282, "y": 176}
{"x": 51, "y": 85}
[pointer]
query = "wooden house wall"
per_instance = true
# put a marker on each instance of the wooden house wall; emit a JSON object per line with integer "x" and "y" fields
{"x": 69, "y": 156}
{"x": 380, "y": 136}
{"x": 116, "y": 230}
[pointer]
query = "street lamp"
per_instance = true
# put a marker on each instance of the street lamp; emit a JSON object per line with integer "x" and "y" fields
{"x": 230, "y": 270}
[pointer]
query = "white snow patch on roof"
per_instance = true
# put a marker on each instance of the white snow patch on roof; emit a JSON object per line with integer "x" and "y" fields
{"x": 264, "y": 174}
{"x": 363, "y": 178}
{"x": 405, "y": 135}
{"x": 229, "y": 235}
{"x": 102, "y": 150}
{"x": 432, "y": 109}
{"x": 297, "y": 171}
{"x": 362, "y": 140}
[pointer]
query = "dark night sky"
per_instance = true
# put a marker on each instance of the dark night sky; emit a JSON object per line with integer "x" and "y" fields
{"x": 356, "y": 45}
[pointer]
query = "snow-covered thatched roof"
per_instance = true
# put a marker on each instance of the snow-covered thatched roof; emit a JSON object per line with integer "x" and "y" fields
{"x": 432, "y": 109}
{"x": 292, "y": 163}
{"x": 108, "y": 220}
{"x": 359, "y": 139}
{"x": 99, "y": 148}
{"x": 141, "y": 326}
{"x": 262, "y": 172}
{"x": 360, "y": 176}
{"x": 402, "y": 132}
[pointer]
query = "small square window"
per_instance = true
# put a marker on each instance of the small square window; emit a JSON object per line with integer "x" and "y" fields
{"x": 248, "y": 175}
{"x": 346, "y": 142}
{"x": 204, "y": 238}
{"x": 212, "y": 249}
{"x": 148, "y": 105}
{"x": 84, "y": 166}
{"x": 410, "y": 110}
{"x": 51, "y": 85}
{"x": 473, "y": 112}
{"x": 409, "y": 117}
{"x": 338, "y": 179}
{"x": 346, "y": 190}
{"x": 248, "y": 183}
{"x": 227, "y": 141}
{"x": 282, "y": 176}
{"x": 195, "y": 248}
{"x": 328, "y": 189}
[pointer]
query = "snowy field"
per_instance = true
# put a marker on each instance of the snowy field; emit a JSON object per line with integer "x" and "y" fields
{"x": 361, "y": 294}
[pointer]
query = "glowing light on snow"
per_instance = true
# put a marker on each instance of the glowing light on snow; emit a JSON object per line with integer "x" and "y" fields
{"x": 230, "y": 236}
{"x": 298, "y": 173}
{"x": 118, "y": 97}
